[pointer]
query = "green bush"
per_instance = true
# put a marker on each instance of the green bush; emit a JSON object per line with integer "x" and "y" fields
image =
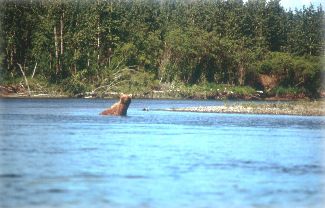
{"x": 287, "y": 91}
{"x": 74, "y": 86}
{"x": 243, "y": 90}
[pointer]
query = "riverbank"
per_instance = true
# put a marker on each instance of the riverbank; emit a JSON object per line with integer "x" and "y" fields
{"x": 304, "y": 108}
{"x": 20, "y": 91}
{"x": 164, "y": 91}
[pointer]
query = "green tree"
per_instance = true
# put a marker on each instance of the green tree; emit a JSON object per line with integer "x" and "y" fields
{"x": 275, "y": 25}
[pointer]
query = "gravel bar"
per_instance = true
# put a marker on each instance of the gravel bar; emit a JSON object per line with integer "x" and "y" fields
{"x": 305, "y": 109}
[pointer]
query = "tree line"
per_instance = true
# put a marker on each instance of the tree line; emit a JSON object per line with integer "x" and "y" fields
{"x": 96, "y": 43}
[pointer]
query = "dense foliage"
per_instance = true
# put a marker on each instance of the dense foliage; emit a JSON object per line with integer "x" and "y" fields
{"x": 94, "y": 45}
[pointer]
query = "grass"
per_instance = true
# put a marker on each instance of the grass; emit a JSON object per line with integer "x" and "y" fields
{"x": 287, "y": 91}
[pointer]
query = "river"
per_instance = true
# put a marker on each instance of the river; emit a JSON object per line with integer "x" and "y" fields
{"x": 62, "y": 153}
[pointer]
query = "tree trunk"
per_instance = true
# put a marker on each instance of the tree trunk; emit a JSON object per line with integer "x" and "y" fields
{"x": 61, "y": 31}
{"x": 57, "y": 58}
{"x": 51, "y": 61}
{"x": 74, "y": 62}
{"x": 12, "y": 52}
{"x": 61, "y": 41}
{"x": 11, "y": 57}
{"x": 98, "y": 43}
{"x": 241, "y": 74}
{"x": 88, "y": 60}
{"x": 98, "y": 33}
{"x": 109, "y": 56}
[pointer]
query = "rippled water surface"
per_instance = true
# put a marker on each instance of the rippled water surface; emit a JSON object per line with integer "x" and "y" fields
{"x": 62, "y": 153}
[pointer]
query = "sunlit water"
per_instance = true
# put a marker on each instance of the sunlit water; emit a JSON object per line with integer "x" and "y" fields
{"x": 62, "y": 153}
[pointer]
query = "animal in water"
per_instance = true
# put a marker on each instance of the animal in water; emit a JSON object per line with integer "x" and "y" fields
{"x": 120, "y": 108}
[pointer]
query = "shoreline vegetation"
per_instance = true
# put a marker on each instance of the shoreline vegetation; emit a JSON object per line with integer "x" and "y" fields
{"x": 38, "y": 89}
{"x": 302, "y": 108}
{"x": 210, "y": 49}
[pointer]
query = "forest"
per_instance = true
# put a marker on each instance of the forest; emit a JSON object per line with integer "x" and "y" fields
{"x": 212, "y": 47}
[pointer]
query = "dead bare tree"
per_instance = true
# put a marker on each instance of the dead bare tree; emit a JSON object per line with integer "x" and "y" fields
{"x": 26, "y": 81}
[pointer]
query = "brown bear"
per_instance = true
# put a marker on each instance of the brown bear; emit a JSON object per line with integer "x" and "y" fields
{"x": 120, "y": 108}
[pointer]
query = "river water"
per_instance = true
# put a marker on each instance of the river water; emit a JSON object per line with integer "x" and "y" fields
{"x": 62, "y": 153}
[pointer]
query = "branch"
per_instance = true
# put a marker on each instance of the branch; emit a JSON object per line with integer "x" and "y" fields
{"x": 34, "y": 70}
{"x": 116, "y": 76}
{"x": 301, "y": 82}
{"x": 108, "y": 86}
{"x": 26, "y": 81}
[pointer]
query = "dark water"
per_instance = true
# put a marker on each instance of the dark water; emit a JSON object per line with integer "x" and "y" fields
{"x": 61, "y": 153}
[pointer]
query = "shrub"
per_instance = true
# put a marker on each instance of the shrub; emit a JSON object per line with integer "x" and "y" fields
{"x": 293, "y": 72}
{"x": 74, "y": 85}
{"x": 287, "y": 92}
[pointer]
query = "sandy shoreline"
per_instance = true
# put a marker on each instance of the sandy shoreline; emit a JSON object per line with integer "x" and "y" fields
{"x": 315, "y": 108}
